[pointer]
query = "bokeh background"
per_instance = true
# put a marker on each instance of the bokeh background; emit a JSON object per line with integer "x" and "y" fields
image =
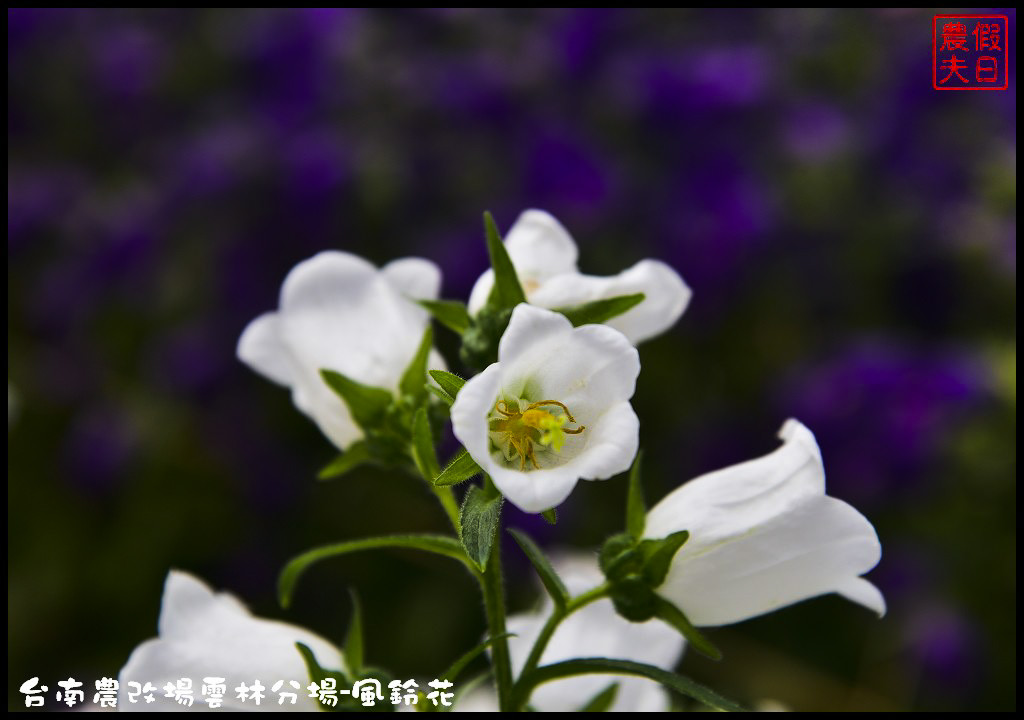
{"x": 849, "y": 234}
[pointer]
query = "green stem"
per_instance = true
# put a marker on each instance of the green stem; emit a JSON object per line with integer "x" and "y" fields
{"x": 451, "y": 507}
{"x": 556, "y": 618}
{"x": 493, "y": 587}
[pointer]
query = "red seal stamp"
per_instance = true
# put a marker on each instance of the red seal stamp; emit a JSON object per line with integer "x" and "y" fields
{"x": 970, "y": 52}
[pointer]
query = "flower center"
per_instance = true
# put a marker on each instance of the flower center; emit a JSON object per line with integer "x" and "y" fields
{"x": 520, "y": 430}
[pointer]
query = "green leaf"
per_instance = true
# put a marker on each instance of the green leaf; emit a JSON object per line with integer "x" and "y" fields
{"x": 459, "y": 665}
{"x": 414, "y": 380}
{"x": 550, "y": 516}
{"x": 441, "y": 395}
{"x": 588, "y": 666}
{"x": 423, "y": 446}
{"x": 367, "y": 404}
{"x": 636, "y": 511}
{"x": 507, "y": 292}
{"x": 357, "y": 454}
{"x": 603, "y": 700}
{"x": 658, "y": 556}
{"x": 352, "y": 651}
{"x": 674, "y": 616}
{"x": 450, "y": 313}
{"x": 481, "y": 514}
{"x": 600, "y": 311}
{"x": 449, "y": 382}
{"x": 438, "y": 544}
{"x": 552, "y": 583}
{"x": 461, "y": 468}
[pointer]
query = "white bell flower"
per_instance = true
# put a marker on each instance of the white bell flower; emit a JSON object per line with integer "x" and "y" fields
{"x": 553, "y": 409}
{"x": 545, "y": 255}
{"x": 764, "y": 535}
{"x": 595, "y": 630}
{"x": 339, "y": 312}
{"x": 206, "y": 634}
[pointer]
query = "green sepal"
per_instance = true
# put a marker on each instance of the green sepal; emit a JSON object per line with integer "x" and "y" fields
{"x": 552, "y": 583}
{"x": 636, "y": 511}
{"x": 658, "y": 556}
{"x": 480, "y": 341}
{"x": 352, "y": 650}
{"x": 461, "y": 468}
{"x": 600, "y": 311}
{"x": 414, "y": 379}
{"x": 449, "y": 382}
{"x": 619, "y": 556}
{"x": 423, "y": 453}
{"x": 367, "y": 404}
{"x": 297, "y": 566}
{"x": 550, "y": 516}
{"x": 623, "y": 556}
{"x": 480, "y": 517}
{"x": 634, "y": 599}
{"x": 358, "y": 453}
{"x": 507, "y": 292}
{"x": 675, "y": 617}
{"x": 602, "y": 701}
{"x": 450, "y": 313}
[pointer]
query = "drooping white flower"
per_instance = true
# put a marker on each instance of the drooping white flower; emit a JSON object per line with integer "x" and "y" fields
{"x": 207, "y": 634}
{"x": 339, "y": 312}
{"x": 544, "y": 256}
{"x": 553, "y": 409}
{"x": 764, "y": 535}
{"x": 596, "y": 630}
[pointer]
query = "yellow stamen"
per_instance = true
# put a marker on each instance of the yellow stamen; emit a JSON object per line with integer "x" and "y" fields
{"x": 522, "y": 429}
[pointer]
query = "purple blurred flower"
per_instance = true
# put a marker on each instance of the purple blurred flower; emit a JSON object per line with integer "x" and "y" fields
{"x": 564, "y": 173}
{"x": 711, "y": 221}
{"x": 882, "y": 416}
{"x": 37, "y": 200}
{"x": 128, "y": 61}
{"x": 816, "y": 131}
{"x": 671, "y": 89}
{"x": 99, "y": 449}
{"x": 946, "y": 645}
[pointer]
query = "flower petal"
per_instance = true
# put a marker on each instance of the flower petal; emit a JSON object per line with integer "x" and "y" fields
{"x": 665, "y": 296}
{"x": 415, "y": 278}
{"x": 338, "y": 312}
{"x": 612, "y": 445}
{"x": 592, "y": 370}
{"x": 588, "y": 368}
{"x": 262, "y": 349}
{"x": 533, "y": 491}
{"x": 539, "y": 248}
{"x": 727, "y": 503}
{"x": 529, "y": 338}
{"x": 813, "y": 548}
{"x": 864, "y": 593}
{"x": 203, "y": 634}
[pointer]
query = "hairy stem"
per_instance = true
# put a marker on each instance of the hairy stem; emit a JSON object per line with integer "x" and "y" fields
{"x": 492, "y": 584}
